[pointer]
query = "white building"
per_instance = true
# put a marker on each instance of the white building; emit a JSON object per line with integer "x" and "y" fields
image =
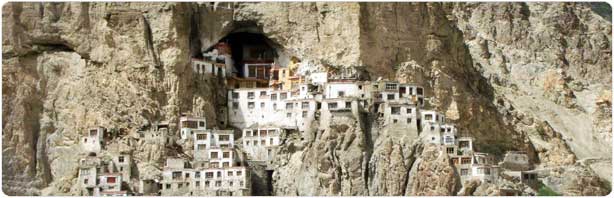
{"x": 200, "y": 66}
{"x": 189, "y": 123}
{"x": 430, "y": 116}
{"x": 234, "y": 180}
{"x": 402, "y": 115}
{"x": 260, "y": 143}
{"x": 109, "y": 184}
{"x": 88, "y": 173}
{"x": 123, "y": 165}
{"x": 93, "y": 140}
{"x": 176, "y": 177}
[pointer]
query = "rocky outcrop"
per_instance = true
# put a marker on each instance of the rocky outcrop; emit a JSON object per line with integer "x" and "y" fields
{"x": 534, "y": 77}
{"x": 435, "y": 165}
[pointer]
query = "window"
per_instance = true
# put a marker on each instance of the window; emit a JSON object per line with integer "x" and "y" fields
{"x": 201, "y": 136}
{"x": 197, "y": 183}
{"x": 428, "y": 117}
{"x": 235, "y": 95}
{"x": 450, "y": 150}
{"x": 201, "y": 124}
{"x": 250, "y": 105}
{"x": 197, "y": 174}
{"x": 395, "y": 110}
{"x": 250, "y": 95}
{"x": 419, "y": 91}
{"x": 209, "y": 175}
{"x": 255, "y": 143}
{"x": 408, "y": 120}
{"x": 262, "y": 142}
{"x": 207, "y": 184}
{"x": 241, "y": 183}
{"x": 93, "y": 132}
{"x": 224, "y": 137}
{"x": 111, "y": 180}
{"x": 283, "y": 96}
{"x": 332, "y": 105}
{"x": 189, "y": 124}
{"x": 235, "y": 105}
{"x": 180, "y": 185}
{"x": 304, "y": 114}
{"x": 219, "y": 174}
{"x": 85, "y": 181}
{"x": 464, "y": 171}
{"x": 274, "y": 106}
{"x": 262, "y": 105}
{"x": 201, "y": 147}
{"x": 288, "y": 115}
{"x": 187, "y": 175}
{"x": 411, "y": 91}
{"x": 225, "y": 165}
{"x": 465, "y": 160}
{"x": 390, "y": 97}
{"x": 359, "y": 86}
{"x": 85, "y": 172}
{"x": 218, "y": 183}
{"x": 289, "y": 106}
{"x": 463, "y": 144}
{"x": 251, "y": 72}
{"x": 226, "y": 155}
{"x": 394, "y": 121}
{"x": 121, "y": 168}
{"x": 120, "y": 159}
{"x": 168, "y": 186}
{"x": 432, "y": 128}
{"x": 263, "y": 133}
{"x": 214, "y": 155}
{"x": 239, "y": 173}
{"x": 230, "y": 183}
{"x": 449, "y": 139}
{"x": 409, "y": 110}
{"x": 273, "y": 96}
{"x": 263, "y": 93}
{"x": 391, "y": 86}
{"x": 348, "y": 104}
{"x": 230, "y": 173}
{"x": 341, "y": 94}
{"x": 305, "y": 105}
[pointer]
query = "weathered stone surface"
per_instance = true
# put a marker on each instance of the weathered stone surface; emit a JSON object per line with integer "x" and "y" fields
{"x": 534, "y": 77}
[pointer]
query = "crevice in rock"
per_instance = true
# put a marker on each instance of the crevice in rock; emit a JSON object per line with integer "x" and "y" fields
{"x": 149, "y": 41}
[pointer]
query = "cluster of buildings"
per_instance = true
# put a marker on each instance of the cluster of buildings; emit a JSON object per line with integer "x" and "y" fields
{"x": 216, "y": 168}
{"x": 279, "y": 98}
{"x": 103, "y": 175}
{"x": 264, "y": 101}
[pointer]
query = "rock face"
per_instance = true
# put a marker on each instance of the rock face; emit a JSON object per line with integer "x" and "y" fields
{"x": 435, "y": 165}
{"x": 534, "y": 77}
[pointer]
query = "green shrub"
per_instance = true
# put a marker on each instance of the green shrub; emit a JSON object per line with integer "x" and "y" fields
{"x": 546, "y": 191}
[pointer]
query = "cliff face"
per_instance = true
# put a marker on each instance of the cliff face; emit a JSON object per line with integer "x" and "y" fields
{"x": 516, "y": 76}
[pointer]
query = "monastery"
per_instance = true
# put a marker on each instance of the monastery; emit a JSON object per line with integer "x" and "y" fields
{"x": 265, "y": 101}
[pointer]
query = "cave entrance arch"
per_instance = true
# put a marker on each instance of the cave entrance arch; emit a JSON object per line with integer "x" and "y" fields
{"x": 252, "y": 54}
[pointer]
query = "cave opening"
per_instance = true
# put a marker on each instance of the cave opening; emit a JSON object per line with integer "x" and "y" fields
{"x": 252, "y": 54}
{"x": 269, "y": 181}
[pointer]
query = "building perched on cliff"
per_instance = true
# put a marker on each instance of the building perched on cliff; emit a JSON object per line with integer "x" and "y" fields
{"x": 216, "y": 168}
